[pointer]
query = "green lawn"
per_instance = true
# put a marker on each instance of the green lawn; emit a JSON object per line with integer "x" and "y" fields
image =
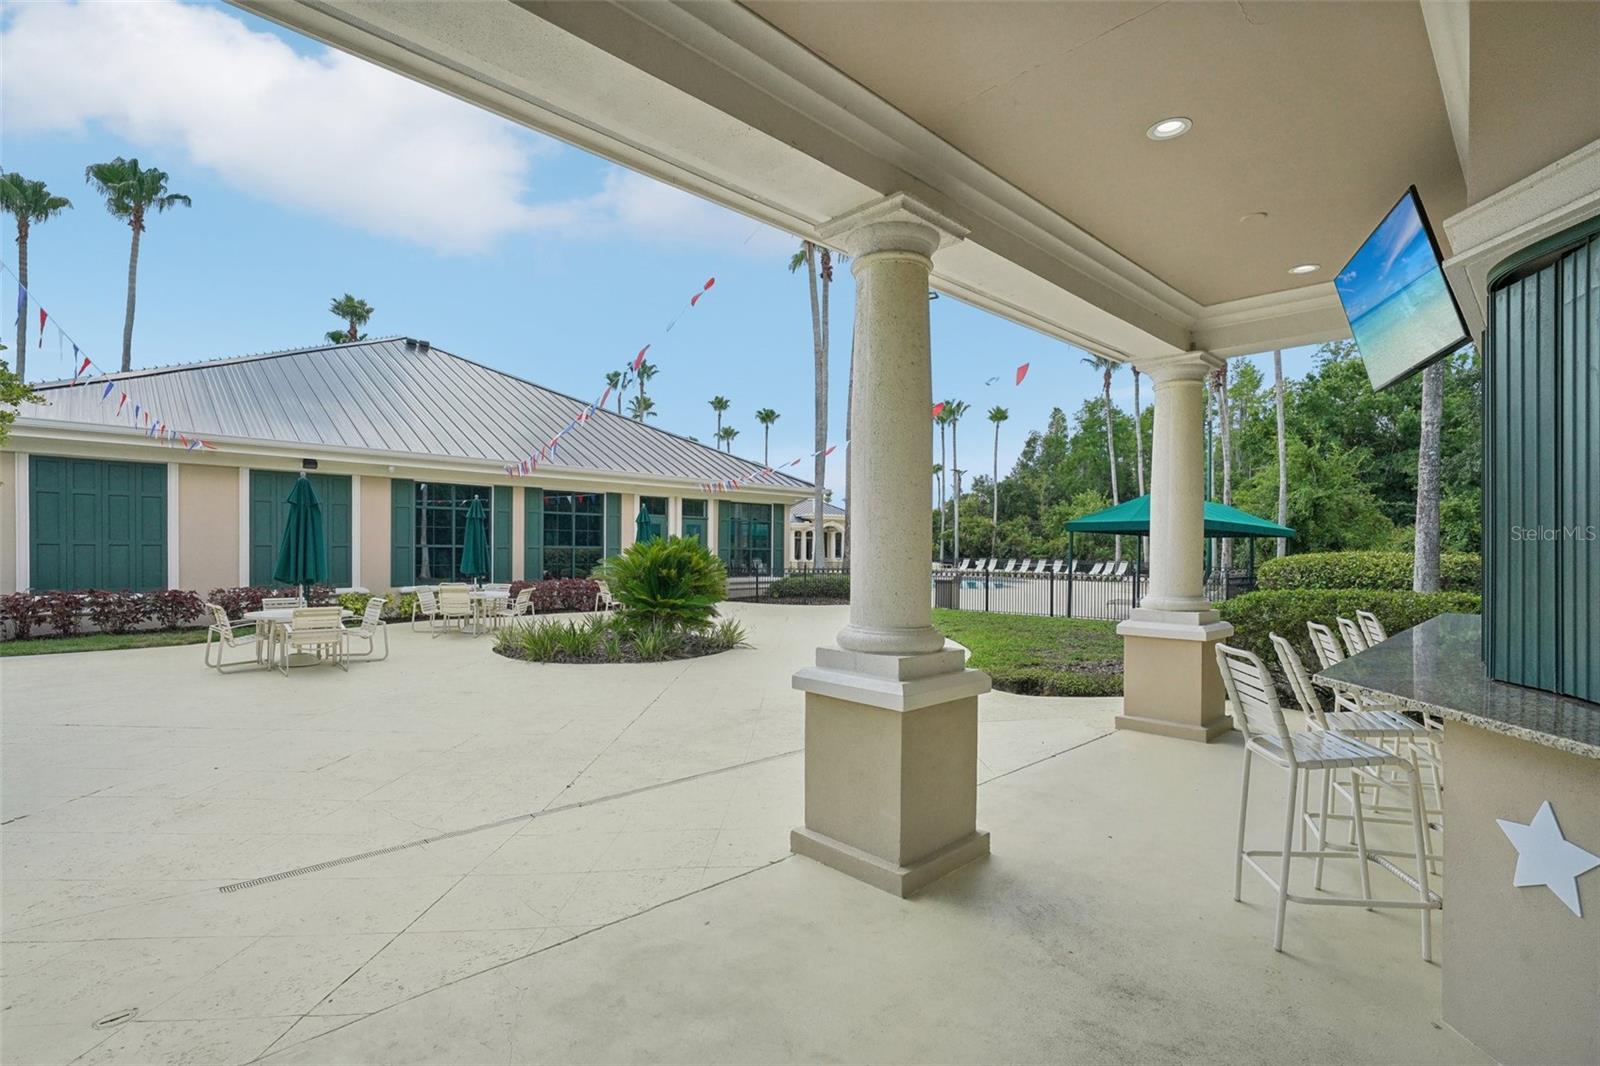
{"x": 1039, "y": 656}
{"x": 102, "y": 642}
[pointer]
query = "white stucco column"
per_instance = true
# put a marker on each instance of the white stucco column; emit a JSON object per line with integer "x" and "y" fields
{"x": 892, "y": 711}
{"x": 1171, "y": 685}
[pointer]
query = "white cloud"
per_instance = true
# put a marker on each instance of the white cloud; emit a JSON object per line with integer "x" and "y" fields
{"x": 325, "y": 133}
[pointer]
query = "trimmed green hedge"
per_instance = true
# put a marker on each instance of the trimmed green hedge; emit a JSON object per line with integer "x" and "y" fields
{"x": 1458, "y": 571}
{"x": 1285, "y": 612}
{"x": 811, "y": 587}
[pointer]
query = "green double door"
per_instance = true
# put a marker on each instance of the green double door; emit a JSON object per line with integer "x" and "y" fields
{"x": 269, "y": 512}
{"x": 93, "y": 523}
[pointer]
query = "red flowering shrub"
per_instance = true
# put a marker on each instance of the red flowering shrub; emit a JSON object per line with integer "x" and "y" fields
{"x": 62, "y": 611}
{"x": 171, "y": 608}
{"x": 559, "y": 594}
{"x": 22, "y": 610}
{"x": 114, "y": 612}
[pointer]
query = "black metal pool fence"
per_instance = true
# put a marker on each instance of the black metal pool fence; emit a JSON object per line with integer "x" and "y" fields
{"x": 1095, "y": 591}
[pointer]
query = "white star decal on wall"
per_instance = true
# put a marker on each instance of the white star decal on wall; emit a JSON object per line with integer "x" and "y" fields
{"x": 1545, "y": 857}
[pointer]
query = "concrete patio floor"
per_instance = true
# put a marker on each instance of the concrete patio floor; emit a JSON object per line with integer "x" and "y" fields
{"x": 650, "y": 911}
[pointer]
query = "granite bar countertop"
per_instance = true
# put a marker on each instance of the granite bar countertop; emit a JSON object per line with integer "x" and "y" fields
{"x": 1438, "y": 667}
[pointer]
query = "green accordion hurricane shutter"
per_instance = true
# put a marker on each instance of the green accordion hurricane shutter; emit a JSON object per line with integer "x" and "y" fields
{"x": 269, "y": 510}
{"x": 532, "y": 533}
{"x": 402, "y": 531}
{"x": 500, "y": 546}
{"x": 613, "y": 524}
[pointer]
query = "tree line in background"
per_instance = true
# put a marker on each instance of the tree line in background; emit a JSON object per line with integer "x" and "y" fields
{"x": 1350, "y": 456}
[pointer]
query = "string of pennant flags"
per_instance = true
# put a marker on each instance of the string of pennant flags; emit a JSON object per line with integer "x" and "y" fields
{"x": 88, "y": 373}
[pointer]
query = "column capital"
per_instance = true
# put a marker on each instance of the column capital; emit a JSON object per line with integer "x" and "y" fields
{"x": 896, "y": 223}
{"x": 1178, "y": 366}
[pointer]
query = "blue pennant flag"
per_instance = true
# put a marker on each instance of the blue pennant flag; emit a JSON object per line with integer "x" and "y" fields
{"x": 109, "y": 386}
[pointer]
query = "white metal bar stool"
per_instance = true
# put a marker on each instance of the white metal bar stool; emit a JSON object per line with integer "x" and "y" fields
{"x": 1259, "y": 716}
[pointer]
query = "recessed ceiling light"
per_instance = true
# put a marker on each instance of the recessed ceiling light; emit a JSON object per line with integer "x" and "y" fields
{"x": 1168, "y": 128}
{"x": 1305, "y": 268}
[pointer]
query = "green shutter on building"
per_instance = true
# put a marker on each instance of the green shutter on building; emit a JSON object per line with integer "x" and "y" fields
{"x": 1541, "y": 472}
{"x": 97, "y": 524}
{"x": 269, "y": 511}
{"x": 532, "y": 533}
{"x": 613, "y": 545}
{"x": 500, "y": 535}
{"x": 779, "y": 531}
{"x": 402, "y": 531}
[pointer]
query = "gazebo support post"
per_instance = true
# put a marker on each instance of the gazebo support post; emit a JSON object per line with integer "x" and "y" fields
{"x": 1072, "y": 566}
{"x": 1171, "y": 684}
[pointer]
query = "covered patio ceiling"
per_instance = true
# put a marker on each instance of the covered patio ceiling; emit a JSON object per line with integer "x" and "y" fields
{"x": 1025, "y": 123}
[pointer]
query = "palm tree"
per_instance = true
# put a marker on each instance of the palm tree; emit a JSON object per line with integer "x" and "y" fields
{"x": 31, "y": 203}
{"x": 943, "y": 419}
{"x": 614, "y": 380}
{"x": 641, "y": 408}
{"x": 1219, "y": 382}
{"x": 645, "y": 372}
{"x": 1138, "y": 429}
{"x": 997, "y": 415}
{"x": 726, "y": 435}
{"x": 1425, "y": 569}
{"x": 356, "y": 314}
{"x": 955, "y": 409}
{"x": 1283, "y": 469}
{"x": 1107, "y": 367}
{"x": 719, "y": 404}
{"x": 766, "y": 416}
{"x": 807, "y": 257}
{"x": 131, "y": 192}
{"x": 938, "y": 487}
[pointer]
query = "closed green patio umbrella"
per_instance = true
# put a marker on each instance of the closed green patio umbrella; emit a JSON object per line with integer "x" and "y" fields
{"x": 475, "y": 548}
{"x": 643, "y": 527}
{"x": 303, "y": 554}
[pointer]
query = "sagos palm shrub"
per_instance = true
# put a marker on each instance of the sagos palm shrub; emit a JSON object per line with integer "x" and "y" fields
{"x": 674, "y": 582}
{"x": 729, "y": 634}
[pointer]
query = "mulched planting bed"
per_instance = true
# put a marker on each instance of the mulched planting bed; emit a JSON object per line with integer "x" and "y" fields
{"x": 688, "y": 648}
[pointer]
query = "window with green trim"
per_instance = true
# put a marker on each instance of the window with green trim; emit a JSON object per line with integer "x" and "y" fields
{"x": 574, "y": 533}
{"x": 441, "y": 528}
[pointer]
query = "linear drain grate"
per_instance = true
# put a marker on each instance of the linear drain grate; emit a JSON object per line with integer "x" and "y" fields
{"x": 116, "y": 1018}
{"x": 452, "y": 834}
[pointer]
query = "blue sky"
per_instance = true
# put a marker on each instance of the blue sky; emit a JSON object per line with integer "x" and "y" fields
{"x": 314, "y": 174}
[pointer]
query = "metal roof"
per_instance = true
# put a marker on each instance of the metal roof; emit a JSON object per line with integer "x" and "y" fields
{"x": 398, "y": 396}
{"x": 802, "y": 510}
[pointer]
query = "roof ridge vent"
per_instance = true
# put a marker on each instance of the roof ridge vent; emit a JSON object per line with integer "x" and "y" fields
{"x": 424, "y": 346}
{"x": 410, "y": 344}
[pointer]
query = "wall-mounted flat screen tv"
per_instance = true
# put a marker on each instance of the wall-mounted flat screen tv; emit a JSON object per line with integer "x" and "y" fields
{"x": 1400, "y": 308}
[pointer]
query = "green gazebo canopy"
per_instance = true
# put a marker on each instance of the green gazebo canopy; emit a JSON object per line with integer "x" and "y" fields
{"x": 1132, "y": 518}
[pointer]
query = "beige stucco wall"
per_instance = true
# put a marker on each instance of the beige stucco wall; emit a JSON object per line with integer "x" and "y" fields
{"x": 375, "y": 519}
{"x": 630, "y": 512}
{"x": 208, "y": 527}
{"x": 8, "y": 522}
{"x": 1521, "y": 972}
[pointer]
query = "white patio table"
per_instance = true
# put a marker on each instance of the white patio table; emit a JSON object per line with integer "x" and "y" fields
{"x": 272, "y": 618}
{"x": 482, "y": 602}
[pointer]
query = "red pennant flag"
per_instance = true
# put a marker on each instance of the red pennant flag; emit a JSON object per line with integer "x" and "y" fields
{"x": 709, "y": 282}
{"x": 604, "y": 396}
{"x": 829, "y": 452}
{"x": 81, "y": 366}
{"x": 208, "y": 444}
{"x": 639, "y": 359}
{"x": 121, "y": 402}
{"x": 937, "y": 408}
{"x": 695, "y": 298}
{"x": 1022, "y": 372}
{"x": 42, "y": 317}
{"x": 184, "y": 439}
{"x": 147, "y": 418}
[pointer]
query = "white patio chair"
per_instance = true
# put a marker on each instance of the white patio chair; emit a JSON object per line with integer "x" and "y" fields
{"x": 367, "y": 628}
{"x": 1011, "y": 565}
{"x": 228, "y": 635}
{"x": 279, "y": 603}
{"x": 990, "y": 565}
{"x": 1259, "y": 717}
{"x": 603, "y": 600}
{"x": 455, "y": 609}
{"x": 520, "y": 607}
{"x": 1383, "y": 727}
{"x": 1354, "y": 639}
{"x": 1371, "y": 628}
{"x": 1097, "y": 569}
{"x": 1330, "y": 651}
{"x": 320, "y": 629}
{"x": 1122, "y": 569}
{"x": 426, "y": 607}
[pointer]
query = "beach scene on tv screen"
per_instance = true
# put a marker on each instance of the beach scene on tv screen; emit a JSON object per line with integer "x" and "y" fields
{"x": 1395, "y": 297}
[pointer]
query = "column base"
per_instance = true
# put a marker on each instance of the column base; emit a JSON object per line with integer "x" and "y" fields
{"x": 880, "y": 873}
{"x": 1170, "y": 682}
{"x": 891, "y": 766}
